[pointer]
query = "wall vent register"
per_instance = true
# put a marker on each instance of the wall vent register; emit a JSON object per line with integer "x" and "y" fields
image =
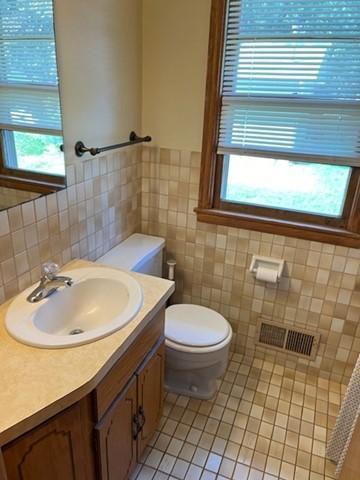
{"x": 290, "y": 340}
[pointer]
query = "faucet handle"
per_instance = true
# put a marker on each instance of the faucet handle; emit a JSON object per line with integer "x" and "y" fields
{"x": 50, "y": 269}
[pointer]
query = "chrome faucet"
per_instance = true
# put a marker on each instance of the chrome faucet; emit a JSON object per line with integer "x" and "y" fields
{"x": 49, "y": 283}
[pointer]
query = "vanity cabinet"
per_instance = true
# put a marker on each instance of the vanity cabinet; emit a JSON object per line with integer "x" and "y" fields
{"x": 150, "y": 396}
{"x": 116, "y": 437}
{"x": 103, "y": 435}
{"x": 131, "y": 421}
{"x": 54, "y": 450}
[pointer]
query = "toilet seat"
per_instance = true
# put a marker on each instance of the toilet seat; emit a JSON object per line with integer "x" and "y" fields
{"x": 195, "y": 329}
{"x": 184, "y": 348}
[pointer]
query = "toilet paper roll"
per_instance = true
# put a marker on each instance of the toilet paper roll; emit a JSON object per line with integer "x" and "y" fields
{"x": 268, "y": 275}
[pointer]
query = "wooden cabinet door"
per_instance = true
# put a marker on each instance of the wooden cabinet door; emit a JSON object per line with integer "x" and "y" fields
{"x": 54, "y": 450}
{"x": 150, "y": 396}
{"x": 3, "y": 475}
{"x": 116, "y": 437}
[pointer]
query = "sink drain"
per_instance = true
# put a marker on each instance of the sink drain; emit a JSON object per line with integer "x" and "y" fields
{"x": 76, "y": 331}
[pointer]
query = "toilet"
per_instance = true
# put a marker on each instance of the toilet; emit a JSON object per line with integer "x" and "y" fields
{"x": 197, "y": 339}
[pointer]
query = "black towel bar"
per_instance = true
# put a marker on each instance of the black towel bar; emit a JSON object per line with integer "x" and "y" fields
{"x": 80, "y": 148}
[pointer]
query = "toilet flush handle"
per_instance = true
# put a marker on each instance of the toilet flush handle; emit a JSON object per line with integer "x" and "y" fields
{"x": 171, "y": 264}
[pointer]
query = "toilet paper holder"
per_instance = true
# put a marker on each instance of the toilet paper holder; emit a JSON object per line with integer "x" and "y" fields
{"x": 268, "y": 263}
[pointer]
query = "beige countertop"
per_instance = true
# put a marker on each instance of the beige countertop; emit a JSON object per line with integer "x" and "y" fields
{"x": 37, "y": 383}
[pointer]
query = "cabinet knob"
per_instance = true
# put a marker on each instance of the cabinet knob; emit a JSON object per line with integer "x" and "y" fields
{"x": 142, "y": 417}
{"x": 136, "y": 426}
{"x": 139, "y": 420}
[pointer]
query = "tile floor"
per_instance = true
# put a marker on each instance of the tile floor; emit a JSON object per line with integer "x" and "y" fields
{"x": 267, "y": 422}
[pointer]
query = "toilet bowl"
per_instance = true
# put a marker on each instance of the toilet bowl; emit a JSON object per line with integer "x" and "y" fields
{"x": 197, "y": 339}
{"x": 197, "y": 343}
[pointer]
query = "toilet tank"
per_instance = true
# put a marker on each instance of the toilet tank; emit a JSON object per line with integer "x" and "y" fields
{"x": 138, "y": 253}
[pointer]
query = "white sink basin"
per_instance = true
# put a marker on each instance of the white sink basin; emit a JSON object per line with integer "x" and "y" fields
{"x": 100, "y": 301}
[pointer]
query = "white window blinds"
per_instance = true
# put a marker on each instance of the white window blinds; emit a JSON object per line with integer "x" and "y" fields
{"x": 291, "y": 80}
{"x": 29, "y": 93}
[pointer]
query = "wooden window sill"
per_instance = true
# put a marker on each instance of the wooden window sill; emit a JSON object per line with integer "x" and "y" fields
{"x": 312, "y": 232}
{"x": 30, "y": 185}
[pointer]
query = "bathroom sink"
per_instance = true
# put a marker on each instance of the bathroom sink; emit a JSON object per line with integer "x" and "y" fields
{"x": 100, "y": 301}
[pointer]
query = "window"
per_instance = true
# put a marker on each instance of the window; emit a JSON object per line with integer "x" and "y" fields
{"x": 30, "y": 117}
{"x": 281, "y": 146}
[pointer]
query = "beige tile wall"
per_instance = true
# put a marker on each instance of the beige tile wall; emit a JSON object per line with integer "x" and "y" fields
{"x": 110, "y": 197}
{"x": 99, "y": 208}
{"x": 10, "y": 197}
{"x": 320, "y": 291}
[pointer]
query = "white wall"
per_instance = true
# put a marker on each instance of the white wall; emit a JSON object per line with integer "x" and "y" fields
{"x": 175, "y": 42}
{"x": 132, "y": 65}
{"x": 99, "y": 53}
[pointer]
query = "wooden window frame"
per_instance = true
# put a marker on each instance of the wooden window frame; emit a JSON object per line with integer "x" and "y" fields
{"x": 343, "y": 231}
{"x": 26, "y": 179}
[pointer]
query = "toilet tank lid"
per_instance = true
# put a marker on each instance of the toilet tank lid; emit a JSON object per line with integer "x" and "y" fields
{"x": 132, "y": 251}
